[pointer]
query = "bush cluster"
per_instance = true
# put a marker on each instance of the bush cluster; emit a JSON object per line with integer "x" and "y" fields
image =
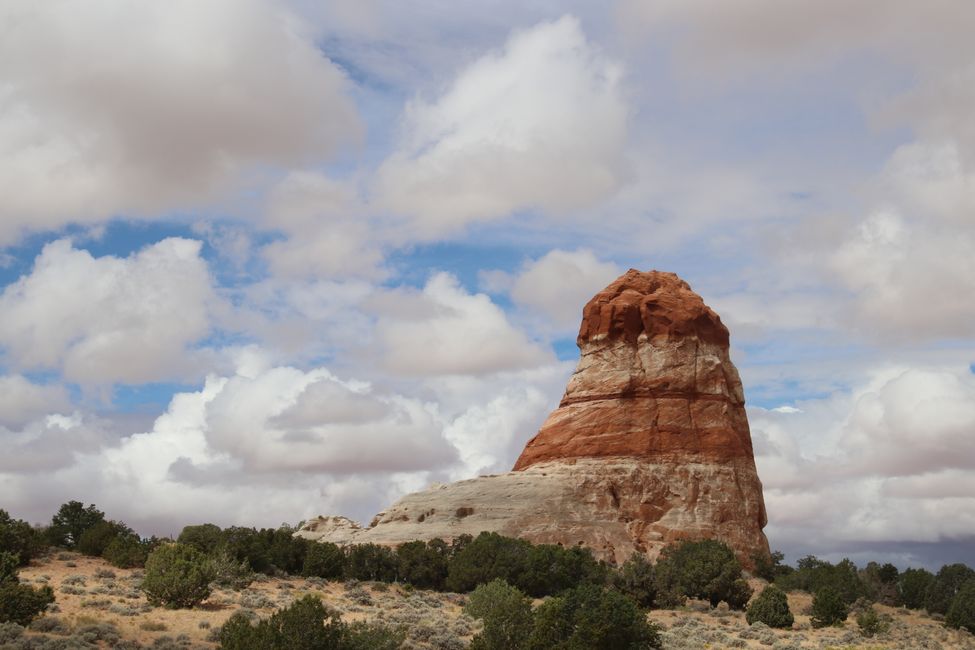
{"x": 813, "y": 575}
{"x": 707, "y": 570}
{"x": 19, "y": 603}
{"x": 771, "y": 607}
{"x": 19, "y": 538}
{"x": 943, "y": 593}
{"x": 828, "y": 608}
{"x": 587, "y": 616}
{"x": 177, "y": 575}
{"x": 305, "y": 625}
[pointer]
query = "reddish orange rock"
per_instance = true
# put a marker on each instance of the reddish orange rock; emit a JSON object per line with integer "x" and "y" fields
{"x": 654, "y": 381}
{"x": 650, "y": 444}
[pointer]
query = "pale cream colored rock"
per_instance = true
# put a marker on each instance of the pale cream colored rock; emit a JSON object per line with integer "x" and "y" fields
{"x": 338, "y": 530}
{"x": 612, "y": 506}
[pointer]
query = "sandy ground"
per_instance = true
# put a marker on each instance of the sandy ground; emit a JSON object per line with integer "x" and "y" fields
{"x": 89, "y": 590}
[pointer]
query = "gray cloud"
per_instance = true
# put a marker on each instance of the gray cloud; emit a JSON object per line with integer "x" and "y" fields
{"x": 145, "y": 108}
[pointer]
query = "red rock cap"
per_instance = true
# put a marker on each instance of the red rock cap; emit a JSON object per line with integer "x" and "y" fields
{"x": 654, "y": 303}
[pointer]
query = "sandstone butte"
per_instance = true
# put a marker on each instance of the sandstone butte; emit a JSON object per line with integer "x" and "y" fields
{"x": 649, "y": 445}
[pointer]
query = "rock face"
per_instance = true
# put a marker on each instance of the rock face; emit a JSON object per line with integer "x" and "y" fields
{"x": 650, "y": 444}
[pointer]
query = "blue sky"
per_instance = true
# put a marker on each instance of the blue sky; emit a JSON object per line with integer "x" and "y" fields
{"x": 228, "y": 226}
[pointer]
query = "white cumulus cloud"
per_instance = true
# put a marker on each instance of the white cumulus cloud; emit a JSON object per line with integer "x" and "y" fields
{"x": 444, "y": 330}
{"x": 540, "y": 123}
{"x": 109, "y": 319}
{"x": 559, "y": 284}
{"x": 880, "y": 463}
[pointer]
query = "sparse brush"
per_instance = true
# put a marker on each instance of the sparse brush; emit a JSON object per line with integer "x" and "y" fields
{"x": 50, "y": 625}
{"x": 153, "y": 626}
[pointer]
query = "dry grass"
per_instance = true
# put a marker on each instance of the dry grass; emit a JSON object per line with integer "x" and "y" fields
{"x": 98, "y": 594}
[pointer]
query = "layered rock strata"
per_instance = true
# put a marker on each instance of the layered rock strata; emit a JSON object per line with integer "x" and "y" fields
{"x": 650, "y": 444}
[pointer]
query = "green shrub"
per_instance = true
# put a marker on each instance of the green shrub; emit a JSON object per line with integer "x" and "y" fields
{"x": 942, "y": 590}
{"x": 871, "y": 623}
{"x": 269, "y": 550}
{"x": 19, "y": 538}
{"x": 96, "y": 539}
{"x": 912, "y": 587}
{"x": 228, "y": 571}
{"x": 423, "y": 564}
{"x": 828, "y": 608}
{"x": 590, "y": 617}
{"x": 769, "y": 566}
{"x": 71, "y": 521}
{"x": 552, "y": 569}
{"x": 507, "y": 616}
{"x": 813, "y": 575}
{"x": 961, "y": 613}
{"x": 19, "y": 603}
{"x": 371, "y": 562}
{"x": 637, "y": 579}
{"x": 770, "y": 607}
{"x": 127, "y": 552}
{"x": 304, "y": 625}
{"x": 880, "y": 583}
{"x": 707, "y": 570}
{"x": 486, "y": 557}
{"x": 324, "y": 560}
{"x": 177, "y": 576}
{"x": 205, "y": 538}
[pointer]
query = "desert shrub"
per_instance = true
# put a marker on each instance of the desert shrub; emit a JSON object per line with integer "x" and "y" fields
{"x": 828, "y": 608}
{"x": 48, "y": 624}
{"x": 771, "y": 607}
{"x": 269, "y": 550}
{"x": 286, "y": 552}
{"x": 912, "y": 586}
{"x": 768, "y": 566}
{"x": 205, "y": 538}
{"x": 128, "y": 552}
{"x": 552, "y": 569}
{"x": 592, "y": 617}
{"x": 22, "y": 603}
{"x": 96, "y": 539}
{"x": 636, "y": 579}
{"x": 95, "y": 632}
{"x": 19, "y": 603}
{"x": 324, "y": 560}
{"x": 946, "y": 584}
{"x": 871, "y": 623}
{"x": 813, "y": 575}
{"x": 10, "y": 632}
{"x": 506, "y": 612}
{"x": 253, "y": 599}
{"x": 19, "y": 538}
{"x": 371, "y": 562}
{"x": 8, "y": 567}
{"x": 423, "y": 564}
{"x": 228, "y": 571}
{"x": 880, "y": 583}
{"x": 177, "y": 576}
{"x": 153, "y": 626}
{"x": 961, "y": 613}
{"x": 486, "y": 557}
{"x": 71, "y": 521}
{"x": 707, "y": 570}
{"x": 304, "y": 625}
